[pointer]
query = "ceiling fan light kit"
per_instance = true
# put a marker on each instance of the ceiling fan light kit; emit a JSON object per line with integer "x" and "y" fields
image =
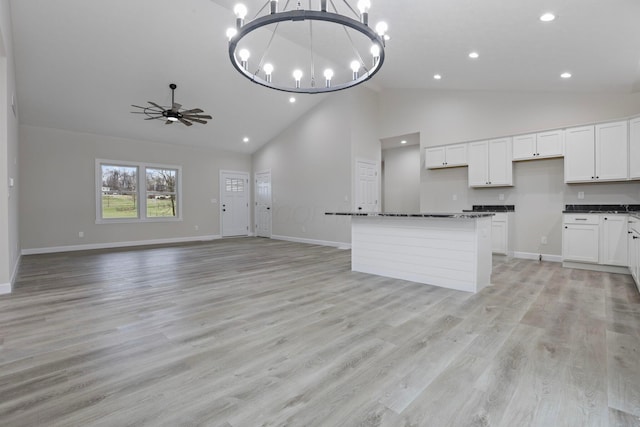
{"x": 172, "y": 114}
{"x": 262, "y": 74}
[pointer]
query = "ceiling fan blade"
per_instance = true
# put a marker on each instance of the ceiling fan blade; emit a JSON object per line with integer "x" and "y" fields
{"x": 194, "y": 111}
{"x": 185, "y": 122}
{"x": 196, "y": 120}
{"x": 168, "y": 122}
{"x": 154, "y": 118}
{"x": 156, "y": 105}
{"x": 176, "y": 107}
{"x": 137, "y": 106}
{"x": 197, "y": 116}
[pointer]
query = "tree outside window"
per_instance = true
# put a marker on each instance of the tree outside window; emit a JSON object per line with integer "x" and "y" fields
{"x": 161, "y": 192}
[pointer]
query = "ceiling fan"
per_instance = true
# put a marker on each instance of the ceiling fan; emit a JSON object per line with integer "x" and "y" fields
{"x": 173, "y": 114}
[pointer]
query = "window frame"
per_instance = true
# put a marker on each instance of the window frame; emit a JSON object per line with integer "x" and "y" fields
{"x": 141, "y": 191}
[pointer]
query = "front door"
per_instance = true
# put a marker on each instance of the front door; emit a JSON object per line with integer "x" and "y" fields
{"x": 235, "y": 203}
{"x": 263, "y": 204}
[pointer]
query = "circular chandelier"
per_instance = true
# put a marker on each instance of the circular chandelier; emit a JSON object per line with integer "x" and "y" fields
{"x": 357, "y": 33}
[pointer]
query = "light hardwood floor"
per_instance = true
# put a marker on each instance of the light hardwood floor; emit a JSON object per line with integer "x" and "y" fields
{"x": 256, "y": 332}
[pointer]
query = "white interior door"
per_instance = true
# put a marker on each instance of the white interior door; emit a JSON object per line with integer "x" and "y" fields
{"x": 234, "y": 204}
{"x": 367, "y": 186}
{"x": 263, "y": 204}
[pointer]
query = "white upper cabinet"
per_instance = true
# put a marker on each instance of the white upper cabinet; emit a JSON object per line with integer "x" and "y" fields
{"x": 551, "y": 144}
{"x": 538, "y": 145}
{"x": 490, "y": 163}
{"x": 597, "y": 153}
{"x": 634, "y": 148}
{"x": 579, "y": 154}
{"x": 612, "y": 145}
{"x": 446, "y": 157}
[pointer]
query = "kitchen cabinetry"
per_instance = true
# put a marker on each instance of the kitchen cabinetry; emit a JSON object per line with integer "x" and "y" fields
{"x": 597, "y": 153}
{"x": 446, "y": 157}
{"x": 633, "y": 236}
{"x": 634, "y": 148}
{"x": 538, "y": 145}
{"x": 581, "y": 238}
{"x": 613, "y": 240}
{"x": 501, "y": 234}
{"x": 490, "y": 163}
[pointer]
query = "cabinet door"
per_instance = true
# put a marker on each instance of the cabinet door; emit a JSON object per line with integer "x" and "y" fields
{"x": 550, "y": 144}
{"x": 633, "y": 253}
{"x": 579, "y": 154}
{"x": 634, "y": 148}
{"x": 435, "y": 157}
{"x": 478, "y": 163}
{"x": 524, "y": 147}
{"x": 499, "y": 237}
{"x": 500, "y": 162}
{"x": 580, "y": 243}
{"x": 456, "y": 155}
{"x": 613, "y": 240}
{"x": 612, "y": 151}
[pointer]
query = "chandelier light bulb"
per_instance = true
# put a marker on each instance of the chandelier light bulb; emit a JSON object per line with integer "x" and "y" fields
{"x": 381, "y": 28}
{"x": 268, "y": 69}
{"x": 274, "y": 6}
{"x": 328, "y": 75}
{"x": 231, "y": 32}
{"x": 240, "y": 10}
{"x": 297, "y": 75}
{"x": 244, "y": 55}
{"x": 364, "y": 5}
{"x": 355, "y": 66}
{"x": 375, "y": 53}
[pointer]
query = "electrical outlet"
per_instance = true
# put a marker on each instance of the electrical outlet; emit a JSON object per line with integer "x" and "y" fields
{"x": 543, "y": 240}
{"x": 580, "y": 195}
{"x": 501, "y": 196}
{"x": 214, "y": 201}
{"x": 196, "y": 227}
{"x": 454, "y": 197}
{"x": 80, "y": 234}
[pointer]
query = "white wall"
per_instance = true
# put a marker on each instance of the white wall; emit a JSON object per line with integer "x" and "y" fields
{"x": 313, "y": 164}
{"x": 58, "y": 188}
{"x": 401, "y": 179}
{"x": 9, "y": 238}
{"x": 539, "y": 193}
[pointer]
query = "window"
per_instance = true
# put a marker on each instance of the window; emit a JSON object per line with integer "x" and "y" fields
{"x": 123, "y": 196}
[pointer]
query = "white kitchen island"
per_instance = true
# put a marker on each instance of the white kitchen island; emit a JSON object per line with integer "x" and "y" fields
{"x": 448, "y": 250}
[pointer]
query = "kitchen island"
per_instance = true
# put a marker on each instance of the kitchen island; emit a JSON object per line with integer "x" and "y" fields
{"x": 451, "y": 250}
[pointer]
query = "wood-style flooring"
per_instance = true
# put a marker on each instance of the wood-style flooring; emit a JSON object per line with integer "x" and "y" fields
{"x": 258, "y": 332}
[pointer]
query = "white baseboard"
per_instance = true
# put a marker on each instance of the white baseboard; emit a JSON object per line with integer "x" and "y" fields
{"x": 339, "y": 245}
{"x": 112, "y": 245}
{"x": 534, "y": 256}
{"x": 596, "y": 267}
{"x": 5, "y": 288}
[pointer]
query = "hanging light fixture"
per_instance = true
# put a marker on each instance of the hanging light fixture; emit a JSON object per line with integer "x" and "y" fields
{"x": 266, "y": 68}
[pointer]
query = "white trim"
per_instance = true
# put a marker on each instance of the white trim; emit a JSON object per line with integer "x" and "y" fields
{"x": 92, "y": 246}
{"x": 255, "y": 202}
{"x": 596, "y": 267}
{"x": 5, "y": 288}
{"x": 534, "y": 256}
{"x": 339, "y": 245}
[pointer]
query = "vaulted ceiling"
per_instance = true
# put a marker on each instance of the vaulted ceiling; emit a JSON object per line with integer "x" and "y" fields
{"x": 81, "y": 63}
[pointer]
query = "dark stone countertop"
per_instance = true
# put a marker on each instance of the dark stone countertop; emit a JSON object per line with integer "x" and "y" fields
{"x": 491, "y": 208}
{"x": 595, "y": 209}
{"x": 463, "y": 215}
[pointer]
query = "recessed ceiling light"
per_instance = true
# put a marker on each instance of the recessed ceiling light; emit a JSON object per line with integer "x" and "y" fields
{"x": 565, "y": 75}
{"x": 245, "y": 139}
{"x": 403, "y": 142}
{"x": 547, "y": 17}
{"x": 474, "y": 55}
{"x": 292, "y": 100}
{"x": 437, "y": 76}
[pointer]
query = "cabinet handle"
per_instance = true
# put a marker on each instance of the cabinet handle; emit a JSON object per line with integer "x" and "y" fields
{"x": 597, "y": 177}
{"x": 581, "y": 219}
{"x": 629, "y": 232}
{"x": 606, "y": 218}
{"x": 566, "y": 226}
{"x": 635, "y": 237}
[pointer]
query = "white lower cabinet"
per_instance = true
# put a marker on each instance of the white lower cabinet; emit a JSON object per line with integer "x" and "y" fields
{"x": 597, "y": 239}
{"x": 633, "y": 240}
{"x": 500, "y": 234}
{"x": 581, "y": 238}
{"x": 613, "y": 240}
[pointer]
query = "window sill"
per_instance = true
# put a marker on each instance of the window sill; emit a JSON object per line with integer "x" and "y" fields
{"x": 136, "y": 220}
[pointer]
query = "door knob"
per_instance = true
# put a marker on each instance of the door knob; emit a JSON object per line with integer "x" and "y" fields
{"x": 268, "y": 208}
{"x": 359, "y": 208}
{"x": 224, "y": 210}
